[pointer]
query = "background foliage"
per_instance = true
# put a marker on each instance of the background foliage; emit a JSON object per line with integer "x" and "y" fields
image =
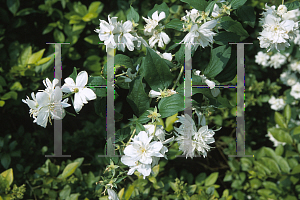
{"x": 26, "y": 59}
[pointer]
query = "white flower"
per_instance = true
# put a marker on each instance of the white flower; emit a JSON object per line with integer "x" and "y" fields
{"x": 139, "y": 153}
{"x": 167, "y": 56}
{"x": 190, "y": 139}
{"x": 159, "y": 37}
{"x": 210, "y": 83}
{"x": 112, "y": 194}
{"x": 124, "y": 36}
{"x": 216, "y": 11}
{"x": 276, "y": 104}
{"x": 295, "y": 92}
{"x": 291, "y": 15}
{"x": 295, "y": 66}
{"x": 152, "y": 23}
{"x": 282, "y": 9}
{"x": 276, "y": 33}
{"x": 191, "y": 16}
{"x": 276, "y": 142}
{"x": 200, "y": 35}
{"x": 82, "y": 94}
{"x": 49, "y": 86}
{"x": 50, "y": 106}
{"x": 144, "y": 169}
{"x": 107, "y": 31}
{"x": 33, "y": 105}
{"x": 262, "y": 59}
{"x": 161, "y": 94}
{"x": 277, "y": 60}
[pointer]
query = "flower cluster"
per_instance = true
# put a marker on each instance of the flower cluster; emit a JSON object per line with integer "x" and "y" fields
{"x": 119, "y": 34}
{"x": 191, "y": 140}
{"x": 48, "y": 104}
{"x": 141, "y": 154}
{"x": 155, "y": 29}
{"x": 279, "y": 26}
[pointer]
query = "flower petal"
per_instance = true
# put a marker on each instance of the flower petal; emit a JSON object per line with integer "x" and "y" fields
{"x": 89, "y": 93}
{"x": 77, "y": 102}
{"x": 81, "y": 79}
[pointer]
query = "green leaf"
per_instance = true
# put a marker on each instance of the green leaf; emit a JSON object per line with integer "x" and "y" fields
{"x": 74, "y": 74}
{"x": 230, "y": 70}
{"x": 53, "y": 169}
{"x": 279, "y": 119}
{"x": 73, "y": 196}
{"x": 5, "y": 160}
{"x": 41, "y": 67}
{"x": 58, "y": 36}
{"x": 287, "y": 113}
{"x": 271, "y": 164}
{"x": 210, "y": 7}
{"x": 175, "y": 24}
{"x": 13, "y": 6}
{"x": 180, "y": 55}
{"x": 156, "y": 71}
{"x": 94, "y": 7}
{"x": 64, "y": 193}
{"x": 296, "y": 130}
{"x": 8, "y": 176}
{"x": 218, "y": 60}
{"x": 211, "y": 179}
{"x": 296, "y": 170}
{"x": 80, "y": 8}
{"x": 255, "y": 183}
{"x": 129, "y": 192}
{"x": 92, "y": 39}
{"x": 281, "y": 135}
{"x": 69, "y": 169}
{"x": 279, "y": 150}
{"x": 16, "y": 86}
{"x": 168, "y": 106}
{"x": 197, "y": 4}
{"x": 89, "y": 16}
{"x": 160, "y": 8}
{"x": 293, "y": 5}
{"x": 137, "y": 97}
{"x": 247, "y": 15}
{"x": 96, "y": 81}
{"x": 170, "y": 121}
{"x": 26, "y": 53}
{"x": 123, "y": 60}
{"x": 26, "y": 11}
{"x": 237, "y": 3}
{"x": 133, "y": 15}
{"x": 233, "y": 26}
{"x": 223, "y": 38}
{"x": 36, "y": 57}
{"x": 200, "y": 179}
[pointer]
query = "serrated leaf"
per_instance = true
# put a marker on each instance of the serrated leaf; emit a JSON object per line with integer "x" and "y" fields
{"x": 156, "y": 72}
{"x": 137, "y": 98}
{"x": 218, "y": 60}
{"x": 168, "y": 106}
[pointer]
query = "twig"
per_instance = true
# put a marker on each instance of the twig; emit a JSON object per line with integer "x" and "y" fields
{"x": 31, "y": 189}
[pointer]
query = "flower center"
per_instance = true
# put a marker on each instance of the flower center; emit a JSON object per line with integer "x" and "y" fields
{"x": 76, "y": 90}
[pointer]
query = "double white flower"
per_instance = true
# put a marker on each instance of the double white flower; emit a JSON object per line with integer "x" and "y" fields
{"x": 190, "y": 140}
{"x": 295, "y": 92}
{"x": 277, "y": 30}
{"x": 276, "y": 104}
{"x": 154, "y": 28}
{"x": 117, "y": 34}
